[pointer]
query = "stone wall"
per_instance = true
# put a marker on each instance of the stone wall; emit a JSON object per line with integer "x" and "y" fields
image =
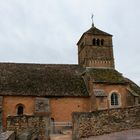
{"x": 10, "y": 106}
{"x": 29, "y": 127}
{"x": 7, "y": 135}
{"x": 87, "y": 124}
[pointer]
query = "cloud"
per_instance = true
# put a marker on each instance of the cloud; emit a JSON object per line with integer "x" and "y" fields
{"x": 46, "y": 31}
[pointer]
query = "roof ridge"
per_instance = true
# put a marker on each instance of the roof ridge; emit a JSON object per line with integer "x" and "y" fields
{"x": 43, "y": 64}
{"x": 96, "y": 31}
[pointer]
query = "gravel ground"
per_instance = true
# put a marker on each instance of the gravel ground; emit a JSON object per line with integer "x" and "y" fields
{"x": 124, "y": 135}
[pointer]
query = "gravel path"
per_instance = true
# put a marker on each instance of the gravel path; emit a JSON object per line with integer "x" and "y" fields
{"x": 124, "y": 135}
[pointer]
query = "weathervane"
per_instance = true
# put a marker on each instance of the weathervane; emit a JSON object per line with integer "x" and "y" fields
{"x": 92, "y": 20}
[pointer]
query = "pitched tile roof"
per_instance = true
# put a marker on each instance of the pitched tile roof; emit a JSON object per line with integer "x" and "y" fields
{"x": 41, "y": 80}
{"x": 132, "y": 92}
{"x": 133, "y": 86}
{"x": 94, "y": 31}
{"x": 104, "y": 75}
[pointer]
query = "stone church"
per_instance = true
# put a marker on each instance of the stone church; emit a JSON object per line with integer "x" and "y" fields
{"x": 92, "y": 84}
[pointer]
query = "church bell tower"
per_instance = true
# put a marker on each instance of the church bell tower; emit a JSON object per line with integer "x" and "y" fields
{"x": 95, "y": 49}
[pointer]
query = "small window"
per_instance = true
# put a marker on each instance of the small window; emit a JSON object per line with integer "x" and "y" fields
{"x": 94, "y": 42}
{"x": 20, "y": 110}
{"x": 114, "y": 99}
{"x": 98, "y": 42}
{"x": 102, "y": 42}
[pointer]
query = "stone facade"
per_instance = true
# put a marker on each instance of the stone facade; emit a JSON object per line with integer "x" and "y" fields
{"x": 93, "y": 53}
{"x": 62, "y": 108}
{"x": 1, "y": 106}
{"x": 100, "y": 103}
{"x": 10, "y": 106}
{"x": 105, "y": 121}
{"x": 29, "y": 127}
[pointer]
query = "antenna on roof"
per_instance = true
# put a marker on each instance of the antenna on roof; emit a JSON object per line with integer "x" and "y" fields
{"x": 92, "y": 20}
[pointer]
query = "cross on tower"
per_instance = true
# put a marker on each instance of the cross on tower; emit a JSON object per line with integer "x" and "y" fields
{"x": 92, "y": 20}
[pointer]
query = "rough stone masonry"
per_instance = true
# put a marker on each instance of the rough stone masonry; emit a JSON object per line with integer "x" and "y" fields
{"x": 29, "y": 127}
{"x": 94, "y": 123}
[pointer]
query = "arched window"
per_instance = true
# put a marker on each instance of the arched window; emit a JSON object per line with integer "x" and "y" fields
{"x": 94, "y": 42}
{"x": 114, "y": 99}
{"x": 20, "y": 109}
{"x": 102, "y": 42}
{"x": 98, "y": 42}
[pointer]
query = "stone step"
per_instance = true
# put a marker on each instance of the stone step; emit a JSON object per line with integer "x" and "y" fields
{"x": 8, "y": 135}
{"x": 60, "y": 137}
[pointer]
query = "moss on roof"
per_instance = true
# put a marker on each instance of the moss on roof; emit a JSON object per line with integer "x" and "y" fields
{"x": 110, "y": 76}
{"x": 41, "y": 80}
{"x": 133, "y": 86}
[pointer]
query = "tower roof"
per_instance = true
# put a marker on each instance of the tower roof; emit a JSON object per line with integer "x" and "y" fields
{"x": 95, "y": 31}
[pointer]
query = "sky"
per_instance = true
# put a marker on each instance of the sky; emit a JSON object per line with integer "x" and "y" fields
{"x": 46, "y": 31}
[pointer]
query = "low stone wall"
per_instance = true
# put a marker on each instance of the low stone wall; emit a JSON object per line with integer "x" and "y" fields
{"x": 29, "y": 127}
{"x": 105, "y": 121}
{"x": 7, "y": 135}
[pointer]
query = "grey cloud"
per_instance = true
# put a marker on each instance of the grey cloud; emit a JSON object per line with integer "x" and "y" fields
{"x": 46, "y": 31}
